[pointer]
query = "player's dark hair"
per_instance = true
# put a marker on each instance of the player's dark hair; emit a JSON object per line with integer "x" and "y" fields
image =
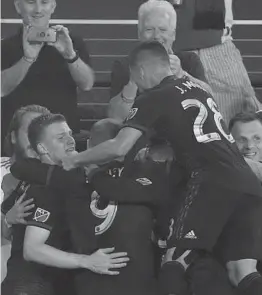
{"x": 245, "y": 117}
{"x": 148, "y": 49}
{"x": 104, "y": 130}
{"x": 16, "y": 123}
{"x": 39, "y": 124}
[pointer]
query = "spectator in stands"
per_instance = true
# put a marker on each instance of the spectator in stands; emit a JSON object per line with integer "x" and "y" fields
{"x": 247, "y": 131}
{"x": 156, "y": 21}
{"x": 17, "y": 146}
{"x": 43, "y": 73}
{"x": 204, "y": 26}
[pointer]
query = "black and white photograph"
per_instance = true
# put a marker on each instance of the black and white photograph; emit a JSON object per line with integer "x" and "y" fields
{"x": 131, "y": 147}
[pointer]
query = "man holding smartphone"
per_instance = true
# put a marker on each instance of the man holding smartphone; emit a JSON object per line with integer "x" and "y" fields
{"x": 45, "y": 70}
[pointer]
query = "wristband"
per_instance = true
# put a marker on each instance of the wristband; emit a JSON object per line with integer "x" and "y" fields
{"x": 29, "y": 60}
{"x": 228, "y": 31}
{"x": 125, "y": 99}
{"x": 8, "y": 225}
{"x": 72, "y": 60}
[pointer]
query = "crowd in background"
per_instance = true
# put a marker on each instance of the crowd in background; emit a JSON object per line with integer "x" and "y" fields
{"x": 103, "y": 229}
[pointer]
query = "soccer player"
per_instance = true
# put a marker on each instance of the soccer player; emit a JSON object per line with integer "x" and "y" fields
{"x": 125, "y": 203}
{"x": 222, "y": 201}
{"x": 44, "y": 243}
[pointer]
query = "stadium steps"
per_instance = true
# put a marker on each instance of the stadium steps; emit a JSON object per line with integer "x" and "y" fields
{"x": 107, "y": 43}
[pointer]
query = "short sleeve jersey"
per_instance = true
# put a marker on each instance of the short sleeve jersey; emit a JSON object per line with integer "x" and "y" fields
{"x": 49, "y": 213}
{"x": 187, "y": 116}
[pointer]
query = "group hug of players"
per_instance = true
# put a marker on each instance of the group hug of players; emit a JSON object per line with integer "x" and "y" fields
{"x": 182, "y": 215}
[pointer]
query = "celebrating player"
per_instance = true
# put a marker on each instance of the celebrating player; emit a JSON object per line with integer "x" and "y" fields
{"x": 44, "y": 242}
{"x": 222, "y": 201}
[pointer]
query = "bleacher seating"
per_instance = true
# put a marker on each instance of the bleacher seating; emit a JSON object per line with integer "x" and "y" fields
{"x": 107, "y": 43}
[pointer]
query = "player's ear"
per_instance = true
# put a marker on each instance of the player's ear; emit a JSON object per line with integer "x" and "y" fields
{"x": 12, "y": 137}
{"x": 17, "y": 6}
{"x": 53, "y": 6}
{"x": 41, "y": 149}
{"x": 141, "y": 73}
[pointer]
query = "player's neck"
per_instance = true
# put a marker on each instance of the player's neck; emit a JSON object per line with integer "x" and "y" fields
{"x": 159, "y": 76}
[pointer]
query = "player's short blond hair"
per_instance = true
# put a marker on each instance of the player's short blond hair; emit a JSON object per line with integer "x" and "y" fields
{"x": 151, "y": 5}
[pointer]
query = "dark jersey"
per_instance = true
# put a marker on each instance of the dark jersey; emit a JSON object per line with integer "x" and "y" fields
{"x": 48, "y": 213}
{"x": 76, "y": 197}
{"x": 187, "y": 116}
{"x": 124, "y": 204}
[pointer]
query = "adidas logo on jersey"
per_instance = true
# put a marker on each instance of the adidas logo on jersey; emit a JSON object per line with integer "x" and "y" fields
{"x": 144, "y": 181}
{"x": 191, "y": 235}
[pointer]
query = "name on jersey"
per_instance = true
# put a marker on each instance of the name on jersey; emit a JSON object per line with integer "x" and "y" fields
{"x": 188, "y": 85}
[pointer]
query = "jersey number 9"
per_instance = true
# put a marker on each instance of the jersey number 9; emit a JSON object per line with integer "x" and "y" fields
{"x": 107, "y": 214}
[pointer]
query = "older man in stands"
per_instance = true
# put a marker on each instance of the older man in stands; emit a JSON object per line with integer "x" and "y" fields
{"x": 44, "y": 73}
{"x": 205, "y": 26}
{"x": 156, "y": 21}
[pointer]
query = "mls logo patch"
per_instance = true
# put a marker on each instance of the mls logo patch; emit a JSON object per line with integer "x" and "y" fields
{"x": 41, "y": 215}
{"x": 132, "y": 113}
{"x": 144, "y": 181}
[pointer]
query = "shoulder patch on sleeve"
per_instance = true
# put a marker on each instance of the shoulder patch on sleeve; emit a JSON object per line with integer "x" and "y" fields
{"x": 144, "y": 181}
{"x": 132, "y": 113}
{"x": 41, "y": 215}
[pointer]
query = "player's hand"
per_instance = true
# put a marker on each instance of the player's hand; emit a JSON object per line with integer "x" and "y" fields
{"x": 63, "y": 42}
{"x": 104, "y": 260}
{"x": 19, "y": 211}
{"x": 130, "y": 90}
{"x": 175, "y": 65}
{"x": 181, "y": 259}
{"x": 31, "y": 50}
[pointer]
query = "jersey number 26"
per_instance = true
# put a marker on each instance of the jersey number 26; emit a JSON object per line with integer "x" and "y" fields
{"x": 201, "y": 119}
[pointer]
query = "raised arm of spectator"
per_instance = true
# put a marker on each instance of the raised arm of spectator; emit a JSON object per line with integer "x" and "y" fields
{"x": 77, "y": 57}
{"x": 122, "y": 92}
{"x": 14, "y": 71}
{"x": 189, "y": 64}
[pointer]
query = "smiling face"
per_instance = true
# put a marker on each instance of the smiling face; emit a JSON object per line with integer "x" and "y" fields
{"x": 157, "y": 26}
{"x": 35, "y": 12}
{"x": 248, "y": 138}
{"x": 57, "y": 142}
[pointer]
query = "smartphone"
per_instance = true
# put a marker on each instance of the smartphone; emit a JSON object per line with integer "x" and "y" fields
{"x": 176, "y": 3}
{"x": 40, "y": 35}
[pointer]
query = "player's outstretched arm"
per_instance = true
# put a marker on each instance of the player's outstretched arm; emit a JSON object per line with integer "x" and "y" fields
{"x": 33, "y": 171}
{"x": 106, "y": 151}
{"x": 36, "y": 250}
